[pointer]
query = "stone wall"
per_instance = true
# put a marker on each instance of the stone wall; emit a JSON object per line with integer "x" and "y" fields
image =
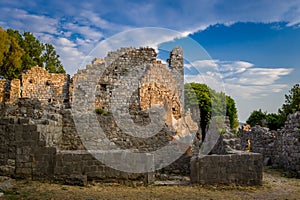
{"x": 10, "y": 91}
{"x": 55, "y": 123}
{"x": 3, "y": 90}
{"x": 232, "y": 169}
{"x": 15, "y": 90}
{"x": 25, "y": 154}
{"x": 83, "y": 165}
{"x": 52, "y": 139}
{"x": 40, "y": 84}
{"x": 281, "y": 149}
{"x": 39, "y": 136}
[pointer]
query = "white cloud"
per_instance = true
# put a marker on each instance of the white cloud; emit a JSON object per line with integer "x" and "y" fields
{"x": 236, "y": 77}
{"x": 70, "y": 55}
{"x": 85, "y": 31}
{"x": 204, "y": 64}
{"x": 260, "y": 76}
{"x": 140, "y": 37}
{"x": 25, "y": 21}
{"x": 236, "y": 65}
{"x": 91, "y": 18}
{"x": 65, "y": 42}
{"x": 247, "y": 97}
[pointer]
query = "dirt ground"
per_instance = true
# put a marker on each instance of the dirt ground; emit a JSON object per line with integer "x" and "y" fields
{"x": 275, "y": 186}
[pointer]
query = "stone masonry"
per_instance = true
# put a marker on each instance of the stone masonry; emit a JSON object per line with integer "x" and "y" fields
{"x": 281, "y": 148}
{"x": 38, "y": 83}
{"x": 39, "y": 135}
{"x": 240, "y": 168}
{"x": 40, "y": 140}
{"x": 10, "y": 91}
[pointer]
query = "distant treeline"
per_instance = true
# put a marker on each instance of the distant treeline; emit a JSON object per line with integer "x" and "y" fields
{"x": 276, "y": 120}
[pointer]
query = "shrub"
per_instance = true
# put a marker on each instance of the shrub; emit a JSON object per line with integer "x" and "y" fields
{"x": 101, "y": 111}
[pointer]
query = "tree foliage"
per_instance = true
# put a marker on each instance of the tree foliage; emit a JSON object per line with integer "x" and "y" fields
{"x": 292, "y": 102}
{"x": 20, "y": 52}
{"x": 231, "y": 112}
{"x": 274, "y": 121}
{"x": 199, "y": 95}
{"x": 33, "y": 51}
{"x": 51, "y": 60}
{"x": 210, "y": 103}
{"x": 10, "y": 55}
{"x": 271, "y": 120}
{"x": 256, "y": 118}
{"x": 277, "y": 120}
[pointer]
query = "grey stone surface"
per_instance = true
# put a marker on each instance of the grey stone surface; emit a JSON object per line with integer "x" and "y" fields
{"x": 39, "y": 138}
{"x": 281, "y": 148}
{"x": 240, "y": 168}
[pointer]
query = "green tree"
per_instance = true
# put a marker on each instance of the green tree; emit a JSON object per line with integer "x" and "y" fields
{"x": 256, "y": 118}
{"x": 231, "y": 112}
{"x": 4, "y": 45}
{"x": 51, "y": 60}
{"x": 210, "y": 103}
{"x": 199, "y": 95}
{"x": 10, "y": 56}
{"x": 19, "y": 53}
{"x": 274, "y": 121}
{"x": 33, "y": 51}
{"x": 292, "y": 102}
{"x": 16, "y": 34}
{"x": 218, "y": 102}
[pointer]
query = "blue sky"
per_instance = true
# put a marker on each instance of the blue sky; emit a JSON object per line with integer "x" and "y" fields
{"x": 254, "y": 45}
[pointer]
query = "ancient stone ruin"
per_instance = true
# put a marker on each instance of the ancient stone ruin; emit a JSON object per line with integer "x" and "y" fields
{"x": 40, "y": 140}
{"x": 281, "y": 148}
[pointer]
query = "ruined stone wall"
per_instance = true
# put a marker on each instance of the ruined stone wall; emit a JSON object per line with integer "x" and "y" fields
{"x": 24, "y": 153}
{"x": 15, "y": 90}
{"x": 10, "y": 91}
{"x": 40, "y": 84}
{"x": 3, "y": 90}
{"x": 133, "y": 81}
{"x": 55, "y": 123}
{"x": 280, "y": 148}
{"x": 233, "y": 169}
{"x": 83, "y": 165}
{"x": 44, "y": 133}
{"x": 176, "y": 65}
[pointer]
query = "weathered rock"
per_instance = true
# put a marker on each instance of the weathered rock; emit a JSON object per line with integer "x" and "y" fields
{"x": 280, "y": 148}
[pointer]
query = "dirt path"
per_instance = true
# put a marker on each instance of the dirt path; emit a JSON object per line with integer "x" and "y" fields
{"x": 274, "y": 187}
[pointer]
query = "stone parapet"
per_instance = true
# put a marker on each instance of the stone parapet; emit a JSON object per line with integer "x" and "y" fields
{"x": 240, "y": 168}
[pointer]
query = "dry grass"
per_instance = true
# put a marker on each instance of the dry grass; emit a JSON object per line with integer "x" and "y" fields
{"x": 274, "y": 187}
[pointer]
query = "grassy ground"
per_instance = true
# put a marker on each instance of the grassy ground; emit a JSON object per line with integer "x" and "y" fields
{"x": 274, "y": 186}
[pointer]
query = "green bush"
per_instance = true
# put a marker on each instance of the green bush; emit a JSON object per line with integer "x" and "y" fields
{"x": 101, "y": 111}
{"x": 222, "y": 131}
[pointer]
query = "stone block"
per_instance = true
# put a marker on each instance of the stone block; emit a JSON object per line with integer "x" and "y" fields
{"x": 23, "y": 120}
{"x": 75, "y": 179}
{"x": 239, "y": 171}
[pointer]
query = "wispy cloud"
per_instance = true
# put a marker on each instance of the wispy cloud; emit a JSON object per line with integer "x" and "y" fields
{"x": 84, "y": 31}
{"x": 260, "y": 76}
{"x": 25, "y": 21}
{"x": 236, "y": 77}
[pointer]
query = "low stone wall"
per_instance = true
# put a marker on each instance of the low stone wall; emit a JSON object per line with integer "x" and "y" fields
{"x": 82, "y": 165}
{"x": 232, "y": 169}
